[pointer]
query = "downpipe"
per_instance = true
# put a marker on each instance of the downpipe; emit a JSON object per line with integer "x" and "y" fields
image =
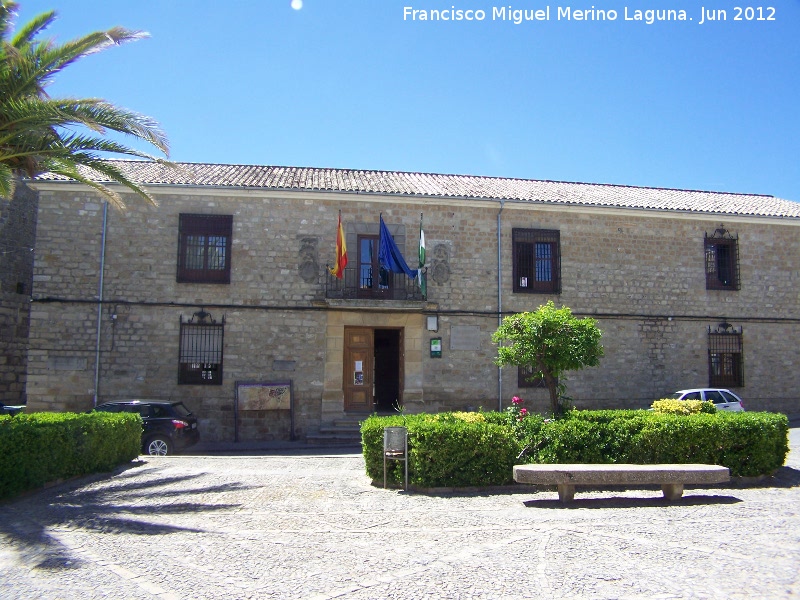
{"x": 100, "y": 304}
{"x": 500, "y": 299}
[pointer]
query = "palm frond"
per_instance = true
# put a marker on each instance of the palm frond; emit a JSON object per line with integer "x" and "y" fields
{"x": 72, "y": 171}
{"x": 38, "y": 134}
{"x": 7, "y": 182}
{"x": 8, "y": 11}
{"x": 26, "y": 36}
{"x": 93, "y": 113}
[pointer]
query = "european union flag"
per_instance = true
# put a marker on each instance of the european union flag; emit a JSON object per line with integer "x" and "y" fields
{"x": 389, "y": 254}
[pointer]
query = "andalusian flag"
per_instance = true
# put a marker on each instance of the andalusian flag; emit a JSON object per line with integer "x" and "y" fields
{"x": 341, "y": 251}
{"x": 423, "y": 284}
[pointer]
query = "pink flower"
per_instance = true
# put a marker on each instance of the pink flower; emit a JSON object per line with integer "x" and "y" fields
{"x": 523, "y": 412}
{"x": 516, "y": 400}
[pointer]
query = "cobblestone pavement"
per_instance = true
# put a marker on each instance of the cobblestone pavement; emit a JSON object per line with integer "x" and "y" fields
{"x": 300, "y": 525}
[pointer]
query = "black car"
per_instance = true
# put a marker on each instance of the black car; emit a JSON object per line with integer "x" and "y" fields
{"x": 5, "y": 409}
{"x": 168, "y": 426}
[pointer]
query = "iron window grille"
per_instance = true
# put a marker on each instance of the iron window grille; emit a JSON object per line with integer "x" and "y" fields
{"x": 725, "y": 356}
{"x": 722, "y": 260}
{"x": 204, "y": 248}
{"x": 525, "y": 379}
{"x": 537, "y": 261}
{"x": 201, "y": 344}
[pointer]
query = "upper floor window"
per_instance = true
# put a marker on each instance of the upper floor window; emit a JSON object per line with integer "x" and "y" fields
{"x": 374, "y": 281}
{"x": 204, "y": 248}
{"x": 200, "y": 361}
{"x": 537, "y": 261}
{"x": 725, "y": 357}
{"x": 722, "y": 260}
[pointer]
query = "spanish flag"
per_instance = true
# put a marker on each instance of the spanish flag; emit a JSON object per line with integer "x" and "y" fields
{"x": 341, "y": 251}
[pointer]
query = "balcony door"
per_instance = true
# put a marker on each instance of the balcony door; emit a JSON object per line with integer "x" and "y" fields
{"x": 373, "y": 280}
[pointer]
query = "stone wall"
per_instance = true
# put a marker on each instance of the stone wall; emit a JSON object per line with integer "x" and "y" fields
{"x": 17, "y": 230}
{"x": 640, "y": 273}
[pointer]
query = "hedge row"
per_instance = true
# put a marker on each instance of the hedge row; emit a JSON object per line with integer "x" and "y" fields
{"x": 39, "y": 448}
{"x": 448, "y": 450}
{"x": 443, "y": 451}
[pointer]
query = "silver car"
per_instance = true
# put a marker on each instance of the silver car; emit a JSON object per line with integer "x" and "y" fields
{"x": 723, "y": 399}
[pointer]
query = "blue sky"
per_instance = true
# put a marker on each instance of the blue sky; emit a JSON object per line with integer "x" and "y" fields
{"x": 354, "y": 84}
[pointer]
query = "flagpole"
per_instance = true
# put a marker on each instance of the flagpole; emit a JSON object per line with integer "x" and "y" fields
{"x": 423, "y": 284}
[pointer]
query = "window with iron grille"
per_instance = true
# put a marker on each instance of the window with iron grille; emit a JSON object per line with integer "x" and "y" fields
{"x": 200, "y": 361}
{"x": 537, "y": 261}
{"x": 722, "y": 260}
{"x": 204, "y": 248}
{"x": 725, "y": 358}
{"x": 525, "y": 379}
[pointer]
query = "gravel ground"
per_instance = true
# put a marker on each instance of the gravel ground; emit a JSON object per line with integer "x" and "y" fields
{"x": 295, "y": 524}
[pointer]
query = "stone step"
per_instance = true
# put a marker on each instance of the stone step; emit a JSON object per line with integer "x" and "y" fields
{"x": 344, "y": 431}
{"x": 349, "y": 428}
{"x": 333, "y": 439}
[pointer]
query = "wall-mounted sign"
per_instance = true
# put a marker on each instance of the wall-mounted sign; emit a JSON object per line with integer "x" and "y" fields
{"x": 251, "y": 396}
{"x": 264, "y": 396}
{"x": 436, "y": 347}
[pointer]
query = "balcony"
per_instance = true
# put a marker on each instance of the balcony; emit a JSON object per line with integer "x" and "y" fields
{"x": 358, "y": 285}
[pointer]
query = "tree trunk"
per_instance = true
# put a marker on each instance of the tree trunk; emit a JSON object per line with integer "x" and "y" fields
{"x": 552, "y": 387}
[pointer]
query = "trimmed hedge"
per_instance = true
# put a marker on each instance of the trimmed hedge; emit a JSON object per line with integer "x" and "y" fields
{"x": 39, "y": 448}
{"x": 444, "y": 450}
{"x": 449, "y": 450}
{"x": 748, "y": 443}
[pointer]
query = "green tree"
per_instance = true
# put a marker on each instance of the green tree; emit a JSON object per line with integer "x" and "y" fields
{"x": 65, "y": 136}
{"x": 550, "y": 341}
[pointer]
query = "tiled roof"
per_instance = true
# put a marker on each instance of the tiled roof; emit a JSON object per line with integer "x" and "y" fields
{"x": 453, "y": 186}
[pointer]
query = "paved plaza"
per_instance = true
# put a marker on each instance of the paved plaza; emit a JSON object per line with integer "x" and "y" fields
{"x": 297, "y": 524}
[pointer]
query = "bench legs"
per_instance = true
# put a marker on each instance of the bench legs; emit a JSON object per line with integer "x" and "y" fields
{"x": 672, "y": 491}
{"x": 566, "y": 492}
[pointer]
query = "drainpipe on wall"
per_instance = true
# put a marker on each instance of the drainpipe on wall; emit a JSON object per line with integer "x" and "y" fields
{"x": 100, "y": 302}
{"x": 499, "y": 301}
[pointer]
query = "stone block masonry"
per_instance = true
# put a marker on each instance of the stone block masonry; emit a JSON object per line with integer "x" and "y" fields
{"x": 641, "y": 274}
{"x": 17, "y": 233}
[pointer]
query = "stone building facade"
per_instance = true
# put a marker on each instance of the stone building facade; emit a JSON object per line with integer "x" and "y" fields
{"x": 689, "y": 289}
{"x": 17, "y": 231}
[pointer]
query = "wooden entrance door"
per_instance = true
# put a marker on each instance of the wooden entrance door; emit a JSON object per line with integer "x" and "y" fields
{"x": 358, "y": 369}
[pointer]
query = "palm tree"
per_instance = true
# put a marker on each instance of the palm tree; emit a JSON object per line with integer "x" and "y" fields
{"x": 64, "y": 136}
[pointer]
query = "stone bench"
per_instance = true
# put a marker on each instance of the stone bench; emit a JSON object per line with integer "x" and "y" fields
{"x": 672, "y": 478}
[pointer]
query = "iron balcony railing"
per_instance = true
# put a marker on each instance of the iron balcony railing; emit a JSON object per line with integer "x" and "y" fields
{"x": 360, "y": 284}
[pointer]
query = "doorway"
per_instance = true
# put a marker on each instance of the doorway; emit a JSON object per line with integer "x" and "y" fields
{"x": 373, "y": 369}
{"x": 387, "y": 370}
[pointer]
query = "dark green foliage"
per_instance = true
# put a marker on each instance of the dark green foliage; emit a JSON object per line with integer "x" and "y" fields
{"x": 65, "y": 136}
{"x": 447, "y": 450}
{"x": 39, "y": 448}
{"x": 444, "y": 450}
{"x": 749, "y": 444}
{"x": 550, "y": 341}
{"x": 477, "y": 454}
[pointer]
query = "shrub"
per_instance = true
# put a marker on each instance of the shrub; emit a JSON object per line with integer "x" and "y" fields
{"x": 39, "y": 448}
{"x": 683, "y": 407}
{"x": 445, "y": 449}
{"x": 449, "y": 449}
{"x": 749, "y": 444}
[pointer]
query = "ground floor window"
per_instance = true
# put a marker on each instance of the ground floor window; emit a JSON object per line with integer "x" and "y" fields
{"x": 525, "y": 379}
{"x": 200, "y": 361}
{"x": 725, "y": 357}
